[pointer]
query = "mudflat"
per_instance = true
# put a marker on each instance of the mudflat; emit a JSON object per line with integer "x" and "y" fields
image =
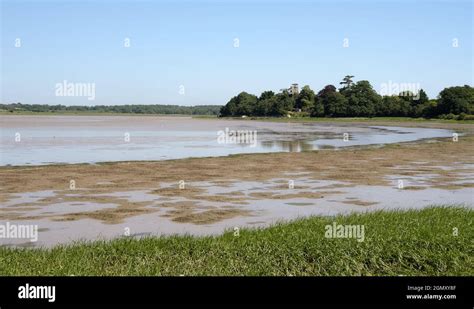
{"x": 208, "y": 195}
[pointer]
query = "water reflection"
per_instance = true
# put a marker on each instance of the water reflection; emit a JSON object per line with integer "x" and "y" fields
{"x": 289, "y": 146}
{"x": 70, "y": 139}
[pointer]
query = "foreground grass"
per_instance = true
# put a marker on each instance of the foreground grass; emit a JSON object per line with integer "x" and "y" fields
{"x": 413, "y": 242}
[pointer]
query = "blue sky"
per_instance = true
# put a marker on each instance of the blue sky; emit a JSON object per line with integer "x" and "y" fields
{"x": 191, "y": 44}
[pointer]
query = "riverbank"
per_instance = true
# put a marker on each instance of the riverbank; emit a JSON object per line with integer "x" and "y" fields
{"x": 378, "y": 121}
{"x": 363, "y": 120}
{"x": 434, "y": 241}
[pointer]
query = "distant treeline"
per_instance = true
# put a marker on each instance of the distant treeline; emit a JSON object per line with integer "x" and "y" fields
{"x": 133, "y": 109}
{"x": 354, "y": 99}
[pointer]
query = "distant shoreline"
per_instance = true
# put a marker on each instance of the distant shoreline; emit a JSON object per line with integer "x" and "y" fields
{"x": 377, "y": 120}
{"x": 28, "y": 113}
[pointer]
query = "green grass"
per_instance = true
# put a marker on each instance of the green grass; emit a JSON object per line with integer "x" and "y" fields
{"x": 412, "y": 242}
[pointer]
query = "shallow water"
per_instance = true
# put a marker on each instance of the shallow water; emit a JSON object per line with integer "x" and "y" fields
{"x": 264, "y": 212}
{"x": 85, "y": 139}
{"x": 37, "y": 140}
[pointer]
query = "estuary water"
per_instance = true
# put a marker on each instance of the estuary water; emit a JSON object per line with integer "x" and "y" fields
{"x": 39, "y": 140}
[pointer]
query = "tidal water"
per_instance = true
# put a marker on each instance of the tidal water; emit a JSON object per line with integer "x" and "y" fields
{"x": 38, "y": 140}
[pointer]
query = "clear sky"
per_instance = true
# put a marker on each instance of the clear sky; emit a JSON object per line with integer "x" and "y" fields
{"x": 192, "y": 44}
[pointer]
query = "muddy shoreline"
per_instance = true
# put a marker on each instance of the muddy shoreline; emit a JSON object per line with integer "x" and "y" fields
{"x": 208, "y": 195}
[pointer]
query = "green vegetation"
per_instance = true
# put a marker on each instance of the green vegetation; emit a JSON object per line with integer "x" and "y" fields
{"x": 371, "y": 120}
{"x": 354, "y": 99}
{"x": 409, "y": 242}
{"x": 112, "y": 109}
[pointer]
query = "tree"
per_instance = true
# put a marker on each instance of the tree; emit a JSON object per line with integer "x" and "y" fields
{"x": 393, "y": 106}
{"x": 406, "y": 103}
{"x": 265, "y": 103}
{"x": 266, "y": 95}
{"x": 138, "y": 109}
{"x": 419, "y": 103}
{"x": 318, "y": 108}
{"x": 456, "y": 100}
{"x": 390, "y": 106}
{"x": 347, "y": 81}
{"x": 230, "y": 108}
{"x": 362, "y": 99}
{"x": 284, "y": 102}
{"x": 334, "y": 104}
{"x": 422, "y": 97}
{"x": 353, "y": 100}
{"x": 305, "y": 99}
{"x": 242, "y": 104}
{"x": 430, "y": 109}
